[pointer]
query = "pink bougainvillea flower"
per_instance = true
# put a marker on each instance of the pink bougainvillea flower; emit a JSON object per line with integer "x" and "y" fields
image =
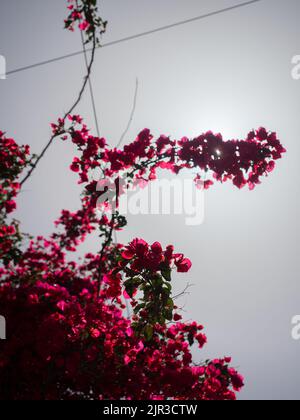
{"x": 83, "y": 26}
{"x": 183, "y": 264}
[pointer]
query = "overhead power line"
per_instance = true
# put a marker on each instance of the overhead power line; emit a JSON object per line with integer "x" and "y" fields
{"x": 136, "y": 36}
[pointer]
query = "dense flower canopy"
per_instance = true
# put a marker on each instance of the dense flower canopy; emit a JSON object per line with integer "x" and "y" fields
{"x": 68, "y": 335}
{"x": 243, "y": 162}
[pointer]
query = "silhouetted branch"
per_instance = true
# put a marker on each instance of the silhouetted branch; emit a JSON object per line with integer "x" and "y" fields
{"x": 86, "y": 79}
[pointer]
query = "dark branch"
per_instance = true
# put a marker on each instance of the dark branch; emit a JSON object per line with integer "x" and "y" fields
{"x": 86, "y": 79}
{"x": 102, "y": 253}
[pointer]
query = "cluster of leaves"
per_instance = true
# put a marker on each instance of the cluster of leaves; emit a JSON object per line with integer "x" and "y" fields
{"x": 13, "y": 160}
{"x": 85, "y": 13}
{"x": 148, "y": 270}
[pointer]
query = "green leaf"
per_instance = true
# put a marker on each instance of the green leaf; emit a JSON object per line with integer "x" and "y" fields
{"x": 157, "y": 281}
{"x": 168, "y": 314}
{"x": 139, "y": 307}
{"x": 166, "y": 273}
{"x": 191, "y": 339}
{"x": 170, "y": 304}
{"x": 148, "y": 331}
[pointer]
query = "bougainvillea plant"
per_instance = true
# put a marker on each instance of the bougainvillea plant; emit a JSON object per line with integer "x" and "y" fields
{"x": 68, "y": 335}
{"x": 85, "y": 14}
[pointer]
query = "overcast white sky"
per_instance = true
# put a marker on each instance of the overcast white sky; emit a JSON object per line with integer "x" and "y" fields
{"x": 229, "y": 73}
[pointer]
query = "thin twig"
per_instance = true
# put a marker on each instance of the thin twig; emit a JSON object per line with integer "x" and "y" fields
{"x": 89, "y": 69}
{"x": 183, "y": 293}
{"x": 131, "y": 115}
{"x": 102, "y": 252}
{"x": 118, "y": 145}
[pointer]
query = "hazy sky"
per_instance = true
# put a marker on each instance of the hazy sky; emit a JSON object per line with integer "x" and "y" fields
{"x": 229, "y": 73}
